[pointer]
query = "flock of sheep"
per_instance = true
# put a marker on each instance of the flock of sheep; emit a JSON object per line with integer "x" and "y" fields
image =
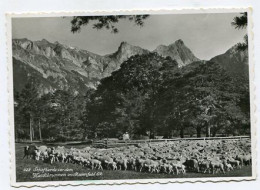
{"x": 209, "y": 156}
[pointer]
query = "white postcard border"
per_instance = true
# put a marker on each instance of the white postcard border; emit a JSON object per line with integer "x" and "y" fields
{"x": 9, "y": 16}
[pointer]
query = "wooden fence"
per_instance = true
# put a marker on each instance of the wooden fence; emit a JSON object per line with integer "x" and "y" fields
{"x": 108, "y": 143}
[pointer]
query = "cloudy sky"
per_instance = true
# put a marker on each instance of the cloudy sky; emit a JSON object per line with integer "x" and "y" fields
{"x": 207, "y": 35}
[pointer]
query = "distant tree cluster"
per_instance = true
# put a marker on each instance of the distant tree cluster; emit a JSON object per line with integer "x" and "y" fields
{"x": 53, "y": 116}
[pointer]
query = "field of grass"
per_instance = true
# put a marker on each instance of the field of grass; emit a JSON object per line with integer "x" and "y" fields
{"x": 30, "y": 170}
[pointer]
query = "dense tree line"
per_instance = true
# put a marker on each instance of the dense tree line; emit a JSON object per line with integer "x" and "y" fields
{"x": 52, "y": 116}
{"x": 149, "y": 95}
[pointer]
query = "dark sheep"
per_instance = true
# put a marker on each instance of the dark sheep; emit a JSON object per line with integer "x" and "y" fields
{"x": 192, "y": 165}
{"x": 29, "y": 151}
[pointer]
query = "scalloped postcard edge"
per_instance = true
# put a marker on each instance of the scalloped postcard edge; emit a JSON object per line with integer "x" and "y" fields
{"x": 184, "y": 10}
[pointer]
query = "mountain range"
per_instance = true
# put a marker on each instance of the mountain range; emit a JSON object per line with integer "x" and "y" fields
{"x": 58, "y": 66}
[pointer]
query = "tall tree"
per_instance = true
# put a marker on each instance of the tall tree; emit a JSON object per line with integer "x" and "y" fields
{"x": 27, "y": 106}
{"x": 120, "y": 99}
{"x": 240, "y": 22}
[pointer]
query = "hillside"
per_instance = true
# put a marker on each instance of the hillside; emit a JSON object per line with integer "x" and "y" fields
{"x": 58, "y": 66}
{"x": 234, "y": 61}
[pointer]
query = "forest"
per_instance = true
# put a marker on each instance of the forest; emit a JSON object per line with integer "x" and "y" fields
{"x": 148, "y": 96}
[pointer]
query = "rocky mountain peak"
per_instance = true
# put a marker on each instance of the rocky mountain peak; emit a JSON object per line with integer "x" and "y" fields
{"x": 179, "y": 42}
{"x": 124, "y": 44}
{"x": 57, "y": 43}
{"x": 22, "y": 40}
{"x": 126, "y": 50}
{"x": 44, "y": 41}
{"x": 23, "y": 43}
{"x": 177, "y": 51}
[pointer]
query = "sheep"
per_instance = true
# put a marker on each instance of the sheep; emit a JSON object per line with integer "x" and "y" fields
{"x": 169, "y": 158}
{"x": 240, "y": 158}
{"x": 247, "y": 159}
{"x": 132, "y": 163}
{"x": 121, "y": 163}
{"x": 96, "y": 164}
{"x": 42, "y": 148}
{"x": 29, "y": 151}
{"x": 112, "y": 165}
{"x": 167, "y": 168}
{"x": 45, "y": 155}
{"x": 140, "y": 164}
{"x": 216, "y": 164}
{"x": 105, "y": 160}
{"x": 204, "y": 165}
{"x": 192, "y": 165}
{"x": 37, "y": 155}
{"x": 178, "y": 166}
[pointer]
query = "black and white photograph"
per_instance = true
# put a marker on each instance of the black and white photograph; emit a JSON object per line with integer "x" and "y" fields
{"x": 145, "y": 97}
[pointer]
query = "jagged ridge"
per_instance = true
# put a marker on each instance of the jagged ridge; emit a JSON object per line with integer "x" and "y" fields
{"x": 58, "y": 66}
{"x": 56, "y": 62}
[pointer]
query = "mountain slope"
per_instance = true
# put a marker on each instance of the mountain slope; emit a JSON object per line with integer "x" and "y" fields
{"x": 234, "y": 61}
{"x": 66, "y": 67}
{"x": 58, "y": 66}
{"x": 61, "y": 65}
{"x": 177, "y": 51}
